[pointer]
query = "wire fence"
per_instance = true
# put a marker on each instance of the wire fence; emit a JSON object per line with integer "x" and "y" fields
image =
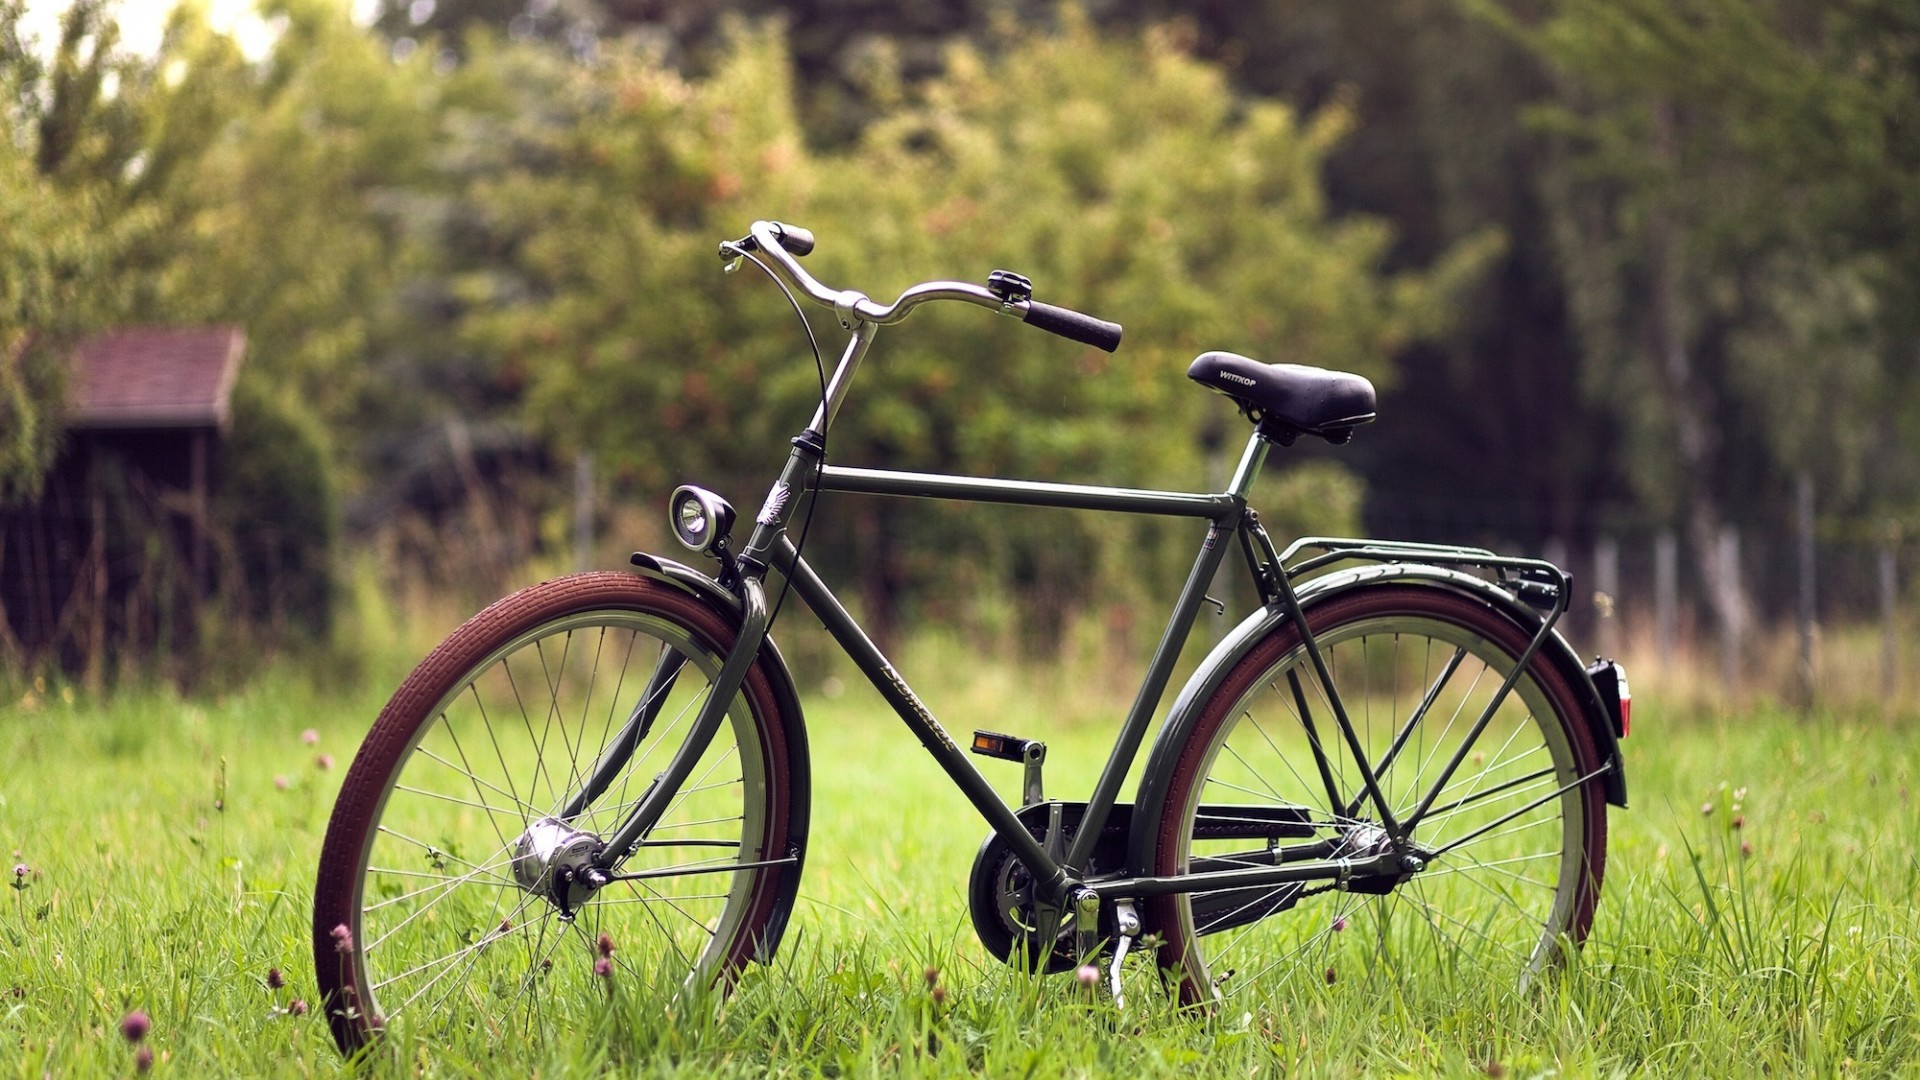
{"x": 1808, "y": 608}
{"x": 1805, "y": 617}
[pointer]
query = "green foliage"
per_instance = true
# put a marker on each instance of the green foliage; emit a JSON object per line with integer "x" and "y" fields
{"x": 1122, "y": 175}
{"x": 1315, "y": 498}
{"x": 276, "y": 505}
{"x": 43, "y": 250}
{"x": 272, "y": 180}
{"x": 195, "y": 186}
{"x": 54, "y": 235}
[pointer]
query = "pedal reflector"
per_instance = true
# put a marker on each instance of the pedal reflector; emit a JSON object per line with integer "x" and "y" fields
{"x": 1005, "y": 747}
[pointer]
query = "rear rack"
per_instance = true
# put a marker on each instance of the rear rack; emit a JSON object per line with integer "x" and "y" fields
{"x": 1535, "y": 582}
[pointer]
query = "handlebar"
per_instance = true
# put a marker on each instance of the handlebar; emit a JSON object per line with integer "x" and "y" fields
{"x": 783, "y": 245}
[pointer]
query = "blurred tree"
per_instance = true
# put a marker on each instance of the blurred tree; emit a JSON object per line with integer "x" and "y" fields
{"x": 44, "y": 252}
{"x": 1732, "y": 205}
{"x": 1486, "y": 432}
{"x": 278, "y": 183}
{"x": 195, "y": 186}
{"x": 833, "y": 45}
{"x": 1123, "y": 176}
{"x": 64, "y": 142}
{"x": 1489, "y": 417}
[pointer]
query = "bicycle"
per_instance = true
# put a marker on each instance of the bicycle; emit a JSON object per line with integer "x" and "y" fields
{"x": 1397, "y": 753}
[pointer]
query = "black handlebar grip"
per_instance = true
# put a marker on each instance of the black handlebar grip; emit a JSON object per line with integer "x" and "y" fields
{"x": 796, "y": 240}
{"x": 1084, "y": 329}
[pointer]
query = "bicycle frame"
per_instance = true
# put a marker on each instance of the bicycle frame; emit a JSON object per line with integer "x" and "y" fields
{"x": 768, "y": 552}
{"x": 1225, "y": 513}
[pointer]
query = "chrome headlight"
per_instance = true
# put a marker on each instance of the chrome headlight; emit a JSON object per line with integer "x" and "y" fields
{"x": 700, "y": 519}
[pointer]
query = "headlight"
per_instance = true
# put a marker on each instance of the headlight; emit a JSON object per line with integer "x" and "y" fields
{"x": 700, "y": 519}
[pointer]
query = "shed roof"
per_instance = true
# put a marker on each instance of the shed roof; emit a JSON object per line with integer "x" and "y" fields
{"x": 155, "y": 377}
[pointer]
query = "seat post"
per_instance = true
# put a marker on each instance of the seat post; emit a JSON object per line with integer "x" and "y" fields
{"x": 1250, "y": 461}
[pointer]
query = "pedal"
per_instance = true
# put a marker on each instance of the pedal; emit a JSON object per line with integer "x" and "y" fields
{"x": 1030, "y": 752}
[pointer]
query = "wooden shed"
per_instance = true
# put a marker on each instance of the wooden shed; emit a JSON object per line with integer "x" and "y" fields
{"x": 116, "y": 549}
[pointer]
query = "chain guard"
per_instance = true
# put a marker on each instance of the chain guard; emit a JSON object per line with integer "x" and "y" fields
{"x": 1000, "y": 890}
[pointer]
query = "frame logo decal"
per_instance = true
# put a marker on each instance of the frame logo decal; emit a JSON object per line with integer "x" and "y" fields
{"x": 919, "y": 709}
{"x": 776, "y": 502}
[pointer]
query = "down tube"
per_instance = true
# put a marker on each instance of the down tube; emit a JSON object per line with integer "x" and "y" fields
{"x": 1048, "y": 875}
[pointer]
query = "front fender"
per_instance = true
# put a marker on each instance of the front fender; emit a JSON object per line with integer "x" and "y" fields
{"x": 688, "y": 579}
{"x": 1242, "y": 638}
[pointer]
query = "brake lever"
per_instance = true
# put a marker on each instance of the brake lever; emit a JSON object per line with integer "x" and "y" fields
{"x": 732, "y": 251}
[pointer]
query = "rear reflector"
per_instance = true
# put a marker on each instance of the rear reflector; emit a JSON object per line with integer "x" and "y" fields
{"x": 1610, "y": 679}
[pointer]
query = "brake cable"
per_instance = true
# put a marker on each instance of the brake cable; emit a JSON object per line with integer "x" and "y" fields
{"x": 820, "y": 366}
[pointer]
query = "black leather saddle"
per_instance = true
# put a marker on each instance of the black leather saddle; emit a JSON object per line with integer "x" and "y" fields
{"x": 1289, "y": 398}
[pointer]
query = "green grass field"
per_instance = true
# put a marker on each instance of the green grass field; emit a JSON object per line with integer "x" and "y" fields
{"x": 1758, "y": 917}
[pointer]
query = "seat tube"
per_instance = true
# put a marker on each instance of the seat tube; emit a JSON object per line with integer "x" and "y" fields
{"x": 1133, "y": 730}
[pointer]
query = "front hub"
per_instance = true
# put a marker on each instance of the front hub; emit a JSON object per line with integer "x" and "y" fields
{"x": 552, "y": 859}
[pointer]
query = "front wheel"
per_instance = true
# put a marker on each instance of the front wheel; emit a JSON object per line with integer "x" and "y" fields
{"x": 1510, "y": 849}
{"x": 449, "y": 893}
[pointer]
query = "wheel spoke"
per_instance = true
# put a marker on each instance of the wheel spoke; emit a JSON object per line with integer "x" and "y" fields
{"x": 1414, "y": 669}
{"x": 462, "y": 942}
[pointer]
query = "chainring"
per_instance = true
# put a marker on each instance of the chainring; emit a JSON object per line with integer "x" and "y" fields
{"x": 1000, "y": 891}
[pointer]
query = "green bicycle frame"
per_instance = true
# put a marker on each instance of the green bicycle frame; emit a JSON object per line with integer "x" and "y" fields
{"x": 769, "y": 552}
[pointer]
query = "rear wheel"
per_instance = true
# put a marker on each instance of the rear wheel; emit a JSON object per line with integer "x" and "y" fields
{"x": 442, "y": 902}
{"x": 1513, "y": 842}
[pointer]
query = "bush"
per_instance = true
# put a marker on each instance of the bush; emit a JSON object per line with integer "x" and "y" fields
{"x": 276, "y": 507}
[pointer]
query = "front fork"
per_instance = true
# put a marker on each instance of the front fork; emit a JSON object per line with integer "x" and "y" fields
{"x": 660, "y": 793}
{"x": 769, "y": 526}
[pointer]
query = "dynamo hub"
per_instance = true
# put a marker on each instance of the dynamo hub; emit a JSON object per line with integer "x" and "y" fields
{"x": 554, "y": 861}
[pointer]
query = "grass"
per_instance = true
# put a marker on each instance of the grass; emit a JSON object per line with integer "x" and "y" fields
{"x": 1758, "y": 915}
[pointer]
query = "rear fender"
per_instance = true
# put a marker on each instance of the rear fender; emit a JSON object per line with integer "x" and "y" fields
{"x": 1242, "y": 638}
{"x": 690, "y": 580}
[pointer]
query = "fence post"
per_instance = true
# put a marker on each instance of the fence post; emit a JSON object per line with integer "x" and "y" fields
{"x": 1727, "y": 570}
{"x": 1606, "y": 587}
{"x": 1889, "y": 630}
{"x": 1805, "y": 611}
{"x": 1666, "y": 594}
{"x": 582, "y": 510}
{"x": 96, "y": 565}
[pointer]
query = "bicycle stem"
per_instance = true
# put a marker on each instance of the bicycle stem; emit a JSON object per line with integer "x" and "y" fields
{"x": 842, "y": 380}
{"x": 856, "y": 311}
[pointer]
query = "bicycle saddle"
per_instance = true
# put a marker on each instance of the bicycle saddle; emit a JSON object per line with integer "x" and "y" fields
{"x": 1312, "y": 400}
